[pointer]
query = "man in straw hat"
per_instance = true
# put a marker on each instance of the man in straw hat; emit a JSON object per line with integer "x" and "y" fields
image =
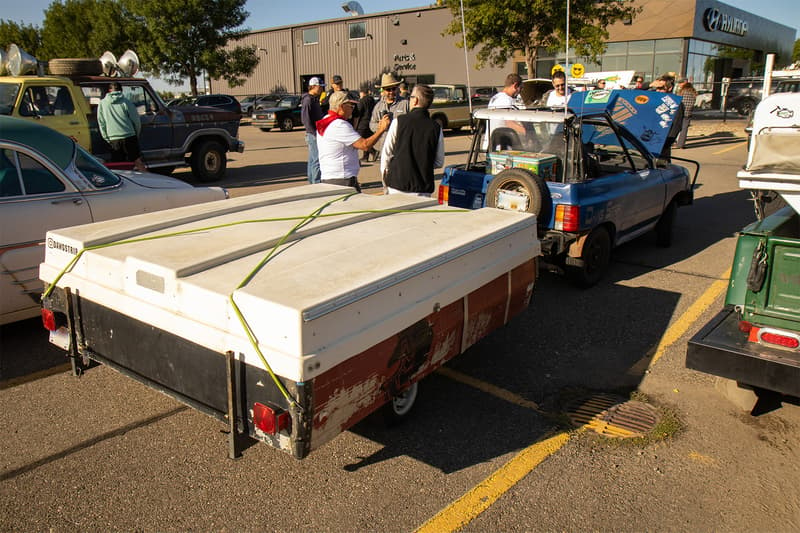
{"x": 391, "y": 104}
{"x": 339, "y": 143}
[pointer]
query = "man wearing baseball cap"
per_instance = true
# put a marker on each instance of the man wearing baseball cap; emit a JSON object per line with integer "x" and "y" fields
{"x": 339, "y": 143}
{"x": 310, "y": 113}
{"x": 391, "y": 103}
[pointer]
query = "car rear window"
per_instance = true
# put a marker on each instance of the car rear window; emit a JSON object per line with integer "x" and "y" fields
{"x": 94, "y": 171}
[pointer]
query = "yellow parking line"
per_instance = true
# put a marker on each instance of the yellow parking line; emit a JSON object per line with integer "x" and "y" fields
{"x": 498, "y": 392}
{"x": 728, "y": 149}
{"x": 462, "y": 511}
{"x": 682, "y": 325}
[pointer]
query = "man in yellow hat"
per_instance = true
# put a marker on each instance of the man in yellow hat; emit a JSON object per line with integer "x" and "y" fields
{"x": 391, "y": 104}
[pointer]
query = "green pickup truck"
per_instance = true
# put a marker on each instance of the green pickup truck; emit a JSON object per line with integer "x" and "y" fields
{"x": 755, "y": 339}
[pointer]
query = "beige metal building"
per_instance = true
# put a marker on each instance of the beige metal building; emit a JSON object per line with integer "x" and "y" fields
{"x": 704, "y": 40}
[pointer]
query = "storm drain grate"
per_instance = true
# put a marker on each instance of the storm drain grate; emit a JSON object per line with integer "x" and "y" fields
{"x": 613, "y": 416}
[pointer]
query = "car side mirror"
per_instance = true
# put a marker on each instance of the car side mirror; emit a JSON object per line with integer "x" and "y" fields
{"x": 661, "y": 162}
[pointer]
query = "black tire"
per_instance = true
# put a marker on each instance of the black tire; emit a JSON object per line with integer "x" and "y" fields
{"x": 209, "y": 161}
{"x": 287, "y": 124}
{"x": 595, "y": 258}
{"x": 745, "y": 107}
{"x": 441, "y": 121}
{"x": 265, "y": 129}
{"x": 524, "y": 181}
{"x": 75, "y": 67}
{"x": 400, "y": 407}
{"x": 665, "y": 227}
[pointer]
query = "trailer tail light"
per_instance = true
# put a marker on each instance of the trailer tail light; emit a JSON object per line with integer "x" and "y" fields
{"x": 568, "y": 217}
{"x": 444, "y": 194}
{"x": 270, "y": 420}
{"x": 774, "y": 338}
{"x": 745, "y": 326}
{"x": 52, "y": 320}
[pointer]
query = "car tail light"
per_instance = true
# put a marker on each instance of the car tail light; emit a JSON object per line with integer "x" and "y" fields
{"x": 779, "y": 339}
{"x": 52, "y": 320}
{"x": 444, "y": 194}
{"x": 745, "y": 326}
{"x": 270, "y": 420}
{"x": 567, "y": 217}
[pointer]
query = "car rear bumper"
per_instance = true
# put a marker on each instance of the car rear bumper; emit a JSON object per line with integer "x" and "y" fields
{"x": 719, "y": 348}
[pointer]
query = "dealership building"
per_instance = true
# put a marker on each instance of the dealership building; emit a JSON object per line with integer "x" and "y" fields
{"x": 703, "y": 40}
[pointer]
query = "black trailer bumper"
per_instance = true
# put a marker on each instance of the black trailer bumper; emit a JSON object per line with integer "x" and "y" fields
{"x": 722, "y": 350}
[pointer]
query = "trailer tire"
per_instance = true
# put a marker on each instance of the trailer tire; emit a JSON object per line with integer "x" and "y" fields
{"x": 523, "y": 181}
{"x": 400, "y": 407}
{"x": 209, "y": 161}
{"x": 595, "y": 258}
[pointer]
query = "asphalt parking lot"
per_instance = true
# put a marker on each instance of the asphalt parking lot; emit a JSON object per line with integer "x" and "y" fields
{"x": 102, "y": 452}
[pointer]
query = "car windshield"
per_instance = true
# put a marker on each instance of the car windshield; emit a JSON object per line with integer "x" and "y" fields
{"x": 94, "y": 171}
{"x": 247, "y": 99}
{"x": 286, "y": 102}
{"x": 8, "y": 95}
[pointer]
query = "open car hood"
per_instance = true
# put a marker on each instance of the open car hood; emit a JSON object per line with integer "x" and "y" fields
{"x": 647, "y": 115}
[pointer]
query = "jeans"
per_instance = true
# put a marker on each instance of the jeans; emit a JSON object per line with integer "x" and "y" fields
{"x": 314, "y": 175}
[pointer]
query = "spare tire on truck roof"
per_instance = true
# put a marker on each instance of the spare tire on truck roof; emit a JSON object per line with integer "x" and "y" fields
{"x": 83, "y": 66}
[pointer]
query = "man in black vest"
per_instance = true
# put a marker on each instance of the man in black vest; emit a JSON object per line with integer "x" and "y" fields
{"x": 414, "y": 146}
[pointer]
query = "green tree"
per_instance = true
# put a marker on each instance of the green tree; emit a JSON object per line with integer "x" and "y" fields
{"x": 26, "y": 36}
{"x": 183, "y": 38}
{"x": 87, "y": 28}
{"x": 498, "y": 28}
{"x": 796, "y": 51}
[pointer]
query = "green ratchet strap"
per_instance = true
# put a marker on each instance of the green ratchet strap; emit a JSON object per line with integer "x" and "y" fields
{"x": 302, "y": 221}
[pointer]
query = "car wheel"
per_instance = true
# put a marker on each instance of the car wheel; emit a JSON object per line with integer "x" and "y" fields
{"x": 521, "y": 190}
{"x": 287, "y": 124}
{"x": 441, "y": 121}
{"x": 745, "y": 107}
{"x": 399, "y": 407}
{"x": 265, "y": 129}
{"x": 595, "y": 258}
{"x": 665, "y": 227}
{"x": 209, "y": 161}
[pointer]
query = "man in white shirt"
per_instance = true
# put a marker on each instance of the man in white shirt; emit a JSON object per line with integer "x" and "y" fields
{"x": 558, "y": 96}
{"x": 507, "y": 98}
{"x": 338, "y": 142}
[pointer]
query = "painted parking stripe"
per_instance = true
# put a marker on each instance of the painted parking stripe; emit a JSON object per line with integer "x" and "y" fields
{"x": 462, "y": 511}
{"x": 728, "y": 149}
{"x": 469, "y": 506}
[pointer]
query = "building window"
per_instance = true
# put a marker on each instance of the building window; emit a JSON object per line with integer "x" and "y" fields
{"x": 358, "y": 30}
{"x": 311, "y": 36}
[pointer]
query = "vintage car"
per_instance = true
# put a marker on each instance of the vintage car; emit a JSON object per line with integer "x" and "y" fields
{"x": 48, "y": 181}
{"x": 597, "y": 174}
{"x": 285, "y": 115}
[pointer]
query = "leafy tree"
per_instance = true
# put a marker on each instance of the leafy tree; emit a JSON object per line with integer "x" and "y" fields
{"x": 87, "y": 28}
{"x": 796, "y": 51}
{"x": 500, "y": 27}
{"x": 26, "y": 36}
{"x": 183, "y": 38}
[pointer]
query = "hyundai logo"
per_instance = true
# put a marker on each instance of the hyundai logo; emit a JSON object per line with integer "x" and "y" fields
{"x": 716, "y": 20}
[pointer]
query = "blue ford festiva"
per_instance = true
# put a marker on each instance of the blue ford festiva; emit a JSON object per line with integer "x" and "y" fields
{"x": 596, "y": 174}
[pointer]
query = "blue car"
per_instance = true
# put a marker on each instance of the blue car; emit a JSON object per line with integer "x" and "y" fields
{"x": 596, "y": 174}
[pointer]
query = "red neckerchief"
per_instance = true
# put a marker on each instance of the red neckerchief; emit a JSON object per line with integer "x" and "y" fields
{"x": 324, "y": 122}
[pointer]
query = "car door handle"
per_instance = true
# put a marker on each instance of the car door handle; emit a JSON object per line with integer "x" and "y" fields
{"x": 76, "y": 201}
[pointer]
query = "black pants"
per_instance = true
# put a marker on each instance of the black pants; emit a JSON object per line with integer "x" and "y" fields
{"x": 347, "y": 182}
{"x": 125, "y": 149}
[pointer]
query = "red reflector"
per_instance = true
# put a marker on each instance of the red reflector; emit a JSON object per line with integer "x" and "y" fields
{"x": 745, "y": 326}
{"x": 780, "y": 340}
{"x": 269, "y": 420}
{"x": 444, "y": 194}
{"x": 49, "y": 320}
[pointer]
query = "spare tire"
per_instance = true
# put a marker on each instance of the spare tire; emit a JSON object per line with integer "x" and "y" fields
{"x": 533, "y": 193}
{"x": 75, "y": 67}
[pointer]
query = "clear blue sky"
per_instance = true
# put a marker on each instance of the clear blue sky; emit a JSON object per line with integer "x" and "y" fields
{"x": 272, "y": 13}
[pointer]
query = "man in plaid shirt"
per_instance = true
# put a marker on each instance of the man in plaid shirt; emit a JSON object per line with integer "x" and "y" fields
{"x": 686, "y": 90}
